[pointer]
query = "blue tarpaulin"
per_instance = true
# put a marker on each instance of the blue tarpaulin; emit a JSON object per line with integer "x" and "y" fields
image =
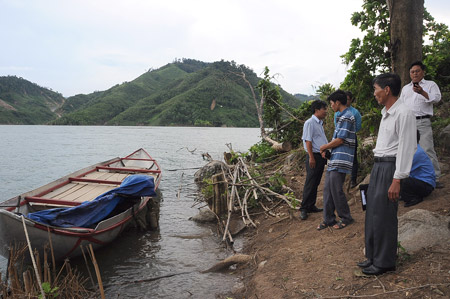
{"x": 89, "y": 213}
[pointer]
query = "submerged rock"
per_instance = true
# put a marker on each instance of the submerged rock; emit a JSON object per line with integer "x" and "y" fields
{"x": 209, "y": 170}
{"x": 204, "y": 215}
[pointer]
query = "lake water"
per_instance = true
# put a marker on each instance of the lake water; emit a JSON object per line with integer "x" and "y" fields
{"x": 32, "y": 156}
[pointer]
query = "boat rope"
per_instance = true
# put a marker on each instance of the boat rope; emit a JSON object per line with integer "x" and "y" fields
{"x": 32, "y": 258}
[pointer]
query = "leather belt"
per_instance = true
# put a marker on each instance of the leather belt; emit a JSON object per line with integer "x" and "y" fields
{"x": 384, "y": 159}
{"x": 423, "y": 116}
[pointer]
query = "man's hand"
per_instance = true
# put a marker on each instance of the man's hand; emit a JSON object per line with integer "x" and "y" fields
{"x": 323, "y": 148}
{"x": 312, "y": 162}
{"x": 394, "y": 190}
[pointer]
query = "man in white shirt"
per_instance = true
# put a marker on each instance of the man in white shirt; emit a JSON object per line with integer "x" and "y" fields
{"x": 394, "y": 152}
{"x": 420, "y": 95}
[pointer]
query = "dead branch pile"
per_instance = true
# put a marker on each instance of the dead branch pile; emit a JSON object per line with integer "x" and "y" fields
{"x": 251, "y": 184}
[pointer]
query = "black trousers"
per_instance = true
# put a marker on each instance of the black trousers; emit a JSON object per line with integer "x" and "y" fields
{"x": 413, "y": 189}
{"x": 313, "y": 177}
{"x": 355, "y": 162}
{"x": 381, "y": 226}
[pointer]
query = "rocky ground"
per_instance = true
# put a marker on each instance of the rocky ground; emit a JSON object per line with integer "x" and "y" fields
{"x": 291, "y": 259}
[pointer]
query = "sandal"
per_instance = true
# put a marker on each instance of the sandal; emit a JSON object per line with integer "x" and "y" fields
{"x": 322, "y": 225}
{"x": 341, "y": 225}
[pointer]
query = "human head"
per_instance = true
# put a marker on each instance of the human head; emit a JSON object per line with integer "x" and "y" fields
{"x": 337, "y": 99}
{"x": 417, "y": 71}
{"x": 391, "y": 80}
{"x": 350, "y": 99}
{"x": 319, "y": 109}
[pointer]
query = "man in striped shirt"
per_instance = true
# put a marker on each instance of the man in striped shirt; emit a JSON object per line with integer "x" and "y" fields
{"x": 342, "y": 148}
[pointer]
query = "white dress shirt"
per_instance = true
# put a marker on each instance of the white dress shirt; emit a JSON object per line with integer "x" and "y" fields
{"x": 397, "y": 137}
{"x": 419, "y": 104}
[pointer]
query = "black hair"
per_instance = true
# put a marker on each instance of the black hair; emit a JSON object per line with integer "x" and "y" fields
{"x": 338, "y": 95}
{"x": 389, "y": 79}
{"x": 317, "y": 105}
{"x": 419, "y": 63}
{"x": 418, "y": 136}
{"x": 349, "y": 94}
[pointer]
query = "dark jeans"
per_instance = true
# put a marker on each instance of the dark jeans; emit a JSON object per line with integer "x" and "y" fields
{"x": 313, "y": 177}
{"x": 413, "y": 189}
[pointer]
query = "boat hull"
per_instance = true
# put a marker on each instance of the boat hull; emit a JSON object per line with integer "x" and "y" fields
{"x": 68, "y": 242}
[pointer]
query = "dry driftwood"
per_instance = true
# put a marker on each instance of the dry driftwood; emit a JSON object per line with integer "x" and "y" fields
{"x": 234, "y": 259}
{"x": 241, "y": 182}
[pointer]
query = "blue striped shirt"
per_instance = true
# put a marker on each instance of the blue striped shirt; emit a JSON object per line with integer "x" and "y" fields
{"x": 342, "y": 156}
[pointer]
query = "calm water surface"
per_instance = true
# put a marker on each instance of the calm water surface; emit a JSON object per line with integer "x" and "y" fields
{"x": 35, "y": 155}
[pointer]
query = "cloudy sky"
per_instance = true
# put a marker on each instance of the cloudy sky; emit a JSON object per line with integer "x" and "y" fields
{"x": 78, "y": 46}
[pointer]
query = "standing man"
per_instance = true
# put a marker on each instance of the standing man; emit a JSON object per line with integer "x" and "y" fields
{"x": 357, "y": 116}
{"x": 394, "y": 151}
{"x": 313, "y": 137}
{"x": 341, "y": 162}
{"x": 420, "y": 95}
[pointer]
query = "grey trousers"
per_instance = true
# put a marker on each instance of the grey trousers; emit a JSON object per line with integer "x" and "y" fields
{"x": 334, "y": 199}
{"x": 381, "y": 226}
{"x": 426, "y": 142}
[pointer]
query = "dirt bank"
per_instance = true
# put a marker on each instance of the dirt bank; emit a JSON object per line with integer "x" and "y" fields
{"x": 291, "y": 259}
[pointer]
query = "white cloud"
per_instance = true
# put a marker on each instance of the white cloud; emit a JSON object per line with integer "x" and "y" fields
{"x": 81, "y": 46}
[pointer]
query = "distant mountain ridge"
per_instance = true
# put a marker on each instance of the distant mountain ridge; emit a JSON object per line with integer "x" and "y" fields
{"x": 185, "y": 92}
{"x": 24, "y": 102}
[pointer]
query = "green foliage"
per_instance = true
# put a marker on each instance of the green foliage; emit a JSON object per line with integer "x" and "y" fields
{"x": 272, "y": 101}
{"x": 262, "y": 151}
{"x": 277, "y": 181}
{"x": 403, "y": 255}
{"x": 207, "y": 190}
{"x": 291, "y": 197}
{"x": 49, "y": 291}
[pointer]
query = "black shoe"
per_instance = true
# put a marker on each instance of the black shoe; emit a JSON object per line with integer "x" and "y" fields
{"x": 365, "y": 264}
{"x": 303, "y": 215}
{"x": 315, "y": 209}
{"x": 439, "y": 185}
{"x": 374, "y": 270}
{"x": 413, "y": 202}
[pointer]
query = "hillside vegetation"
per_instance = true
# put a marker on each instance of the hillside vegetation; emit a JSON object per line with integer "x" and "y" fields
{"x": 183, "y": 93}
{"x": 24, "y": 102}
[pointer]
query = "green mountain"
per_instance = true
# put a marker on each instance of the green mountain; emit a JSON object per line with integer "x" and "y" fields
{"x": 304, "y": 97}
{"x": 24, "y": 102}
{"x": 183, "y": 93}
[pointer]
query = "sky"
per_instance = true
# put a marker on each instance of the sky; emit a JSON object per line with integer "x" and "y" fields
{"x": 78, "y": 46}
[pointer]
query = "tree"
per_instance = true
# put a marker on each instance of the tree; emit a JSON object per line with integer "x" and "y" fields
{"x": 406, "y": 22}
{"x": 371, "y": 55}
{"x": 267, "y": 93}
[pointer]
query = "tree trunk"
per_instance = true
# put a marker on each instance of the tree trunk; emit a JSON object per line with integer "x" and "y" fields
{"x": 406, "y": 20}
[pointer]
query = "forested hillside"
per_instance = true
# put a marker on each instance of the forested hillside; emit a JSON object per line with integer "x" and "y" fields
{"x": 24, "y": 102}
{"x": 183, "y": 93}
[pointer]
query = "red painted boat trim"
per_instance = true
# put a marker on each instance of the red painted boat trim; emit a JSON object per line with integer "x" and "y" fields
{"x": 128, "y": 169}
{"x": 137, "y": 159}
{"x": 51, "y": 201}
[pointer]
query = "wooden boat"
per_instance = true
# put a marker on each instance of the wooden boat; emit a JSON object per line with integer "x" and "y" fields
{"x": 83, "y": 186}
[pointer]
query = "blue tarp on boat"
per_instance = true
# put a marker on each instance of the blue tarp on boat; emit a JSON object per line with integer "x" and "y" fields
{"x": 89, "y": 213}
